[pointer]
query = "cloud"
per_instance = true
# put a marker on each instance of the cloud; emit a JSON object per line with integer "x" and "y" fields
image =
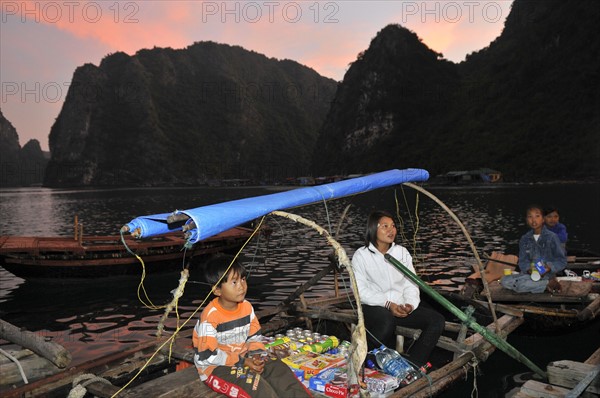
{"x": 44, "y": 41}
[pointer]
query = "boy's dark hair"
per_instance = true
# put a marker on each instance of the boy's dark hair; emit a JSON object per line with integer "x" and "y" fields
{"x": 216, "y": 266}
{"x": 536, "y": 207}
{"x": 550, "y": 209}
{"x": 373, "y": 224}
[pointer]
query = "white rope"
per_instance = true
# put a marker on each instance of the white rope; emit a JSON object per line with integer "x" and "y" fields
{"x": 79, "y": 388}
{"x": 16, "y": 361}
{"x": 475, "y": 391}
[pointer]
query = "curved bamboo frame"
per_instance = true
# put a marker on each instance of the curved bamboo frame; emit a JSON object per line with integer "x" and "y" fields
{"x": 473, "y": 248}
{"x": 359, "y": 337}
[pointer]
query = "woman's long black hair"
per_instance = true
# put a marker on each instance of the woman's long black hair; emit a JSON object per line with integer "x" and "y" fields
{"x": 372, "y": 225}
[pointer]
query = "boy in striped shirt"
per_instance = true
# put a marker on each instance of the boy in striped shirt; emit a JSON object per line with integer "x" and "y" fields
{"x": 229, "y": 355}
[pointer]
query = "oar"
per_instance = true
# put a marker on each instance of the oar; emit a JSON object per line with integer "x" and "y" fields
{"x": 466, "y": 319}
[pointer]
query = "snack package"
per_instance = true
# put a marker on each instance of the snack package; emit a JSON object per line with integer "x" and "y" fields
{"x": 295, "y": 361}
{"x": 318, "y": 381}
{"x": 320, "y": 363}
{"x": 379, "y": 382}
{"x": 338, "y": 386}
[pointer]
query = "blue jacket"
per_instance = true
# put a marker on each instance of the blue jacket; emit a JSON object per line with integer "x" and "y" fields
{"x": 547, "y": 248}
{"x": 560, "y": 230}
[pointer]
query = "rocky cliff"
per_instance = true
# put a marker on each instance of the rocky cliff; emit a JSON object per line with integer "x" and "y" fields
{"x": 526, "y": 105}
{"x": 19, "y": 166}
{"x": 164, "y": 116}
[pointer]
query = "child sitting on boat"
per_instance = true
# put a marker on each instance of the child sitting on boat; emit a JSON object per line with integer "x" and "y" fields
{"x": 552, "y": 221}
{"x": 230, "y": 357}
{"x": 539, "y": 252}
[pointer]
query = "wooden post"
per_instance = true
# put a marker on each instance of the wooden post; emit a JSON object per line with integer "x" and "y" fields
{"x": 53, "y": 352}
{"x": 76, "y": 227}
{"x": 304, "y": 307}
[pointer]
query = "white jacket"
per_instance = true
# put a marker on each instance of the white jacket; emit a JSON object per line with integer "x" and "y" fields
{"x": 379, "y": 281}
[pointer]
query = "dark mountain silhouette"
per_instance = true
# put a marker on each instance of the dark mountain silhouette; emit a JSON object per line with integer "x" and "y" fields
{"x": 19, "y": 166}
{"x": 526, "y": 105}
{"x": 164, "y": 116}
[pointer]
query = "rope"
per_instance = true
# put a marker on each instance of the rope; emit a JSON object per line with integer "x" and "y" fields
{"x": 171, "y": 339}
{"x": 174, "y": 303}
{"x": 141, "y": 286}
{"x": 79, "y": 388}
{"x": 16, "y": 361}
{"x": 474, "y": 392}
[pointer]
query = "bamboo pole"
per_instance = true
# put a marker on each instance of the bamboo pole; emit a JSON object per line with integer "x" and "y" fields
{"x": 590, "y": 311}
{"x": 468, "y": 236}
{"x": 55, "y": 353}
{"x": 469, "y": 321}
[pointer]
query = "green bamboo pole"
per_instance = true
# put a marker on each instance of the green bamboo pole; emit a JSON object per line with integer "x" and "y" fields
{"x": 466, "y": 319}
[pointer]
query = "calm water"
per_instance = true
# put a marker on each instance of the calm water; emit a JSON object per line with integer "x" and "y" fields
{"x": 94, "y": 317}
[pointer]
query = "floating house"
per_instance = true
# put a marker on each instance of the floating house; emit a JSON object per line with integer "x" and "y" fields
{"x": 478, "y": 176}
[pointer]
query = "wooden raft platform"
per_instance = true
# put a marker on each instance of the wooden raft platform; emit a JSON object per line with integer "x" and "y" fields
{"x": 572, "y": 292}
{"x": 566, "y": 379}
{"x": 185, "y": 383}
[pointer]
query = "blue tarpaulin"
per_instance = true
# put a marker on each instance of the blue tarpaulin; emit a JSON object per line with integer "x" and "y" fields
{"x": 213, "y": 219}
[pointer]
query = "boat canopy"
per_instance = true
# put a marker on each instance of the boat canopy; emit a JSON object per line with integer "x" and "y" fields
{"x": 212, "y": 219}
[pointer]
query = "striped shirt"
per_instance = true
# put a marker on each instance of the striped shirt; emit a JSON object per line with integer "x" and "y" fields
{"x": 223, "y": 338}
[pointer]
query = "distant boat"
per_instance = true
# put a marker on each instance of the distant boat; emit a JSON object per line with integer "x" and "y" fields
{"x": 96, "y": 256}
{"x": 478, "y": 176}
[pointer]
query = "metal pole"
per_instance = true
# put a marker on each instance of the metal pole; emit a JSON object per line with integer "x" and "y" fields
{"x": 466, "y": 319}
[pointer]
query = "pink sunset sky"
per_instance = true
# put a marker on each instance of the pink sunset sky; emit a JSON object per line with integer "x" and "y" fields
{"x": 43, "y": 42}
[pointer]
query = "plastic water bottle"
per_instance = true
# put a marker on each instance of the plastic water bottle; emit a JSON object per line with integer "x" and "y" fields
{"x": 393, "y": 364}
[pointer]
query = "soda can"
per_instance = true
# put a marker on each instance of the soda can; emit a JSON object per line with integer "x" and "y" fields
{"x": 539, "y": 266}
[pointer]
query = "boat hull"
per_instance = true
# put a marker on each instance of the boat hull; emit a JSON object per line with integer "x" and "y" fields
{"x": 98, "y": 256}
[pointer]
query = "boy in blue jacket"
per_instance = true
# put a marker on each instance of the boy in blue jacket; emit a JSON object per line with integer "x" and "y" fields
{"x": 539, "y": 244}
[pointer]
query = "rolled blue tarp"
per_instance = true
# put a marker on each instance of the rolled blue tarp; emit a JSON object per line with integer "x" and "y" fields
{"x": 213, "y": 219}
{"x": 153, "y": 225}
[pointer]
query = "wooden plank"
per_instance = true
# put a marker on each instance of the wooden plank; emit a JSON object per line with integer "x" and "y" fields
{"x": 34, "y": 367}
{"x": 594, "y": 359}
{"x": 182, "y": 384}
{"x": 535, "y": 389}
{"x": 443, "y": 342}
{"x": 575, "y": 292}
{"x": 584, "y": 383}
{"x": 569, "y": 373}
{"x": 505, "y": 322}
{"x": 44, "y": 386}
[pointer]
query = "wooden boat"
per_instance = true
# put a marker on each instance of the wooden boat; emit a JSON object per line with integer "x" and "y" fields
{"x": 95, "y": 256}
{"x": 577, "y": 301}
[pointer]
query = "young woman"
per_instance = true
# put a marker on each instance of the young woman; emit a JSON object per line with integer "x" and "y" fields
{"x": 389, "y": 299}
